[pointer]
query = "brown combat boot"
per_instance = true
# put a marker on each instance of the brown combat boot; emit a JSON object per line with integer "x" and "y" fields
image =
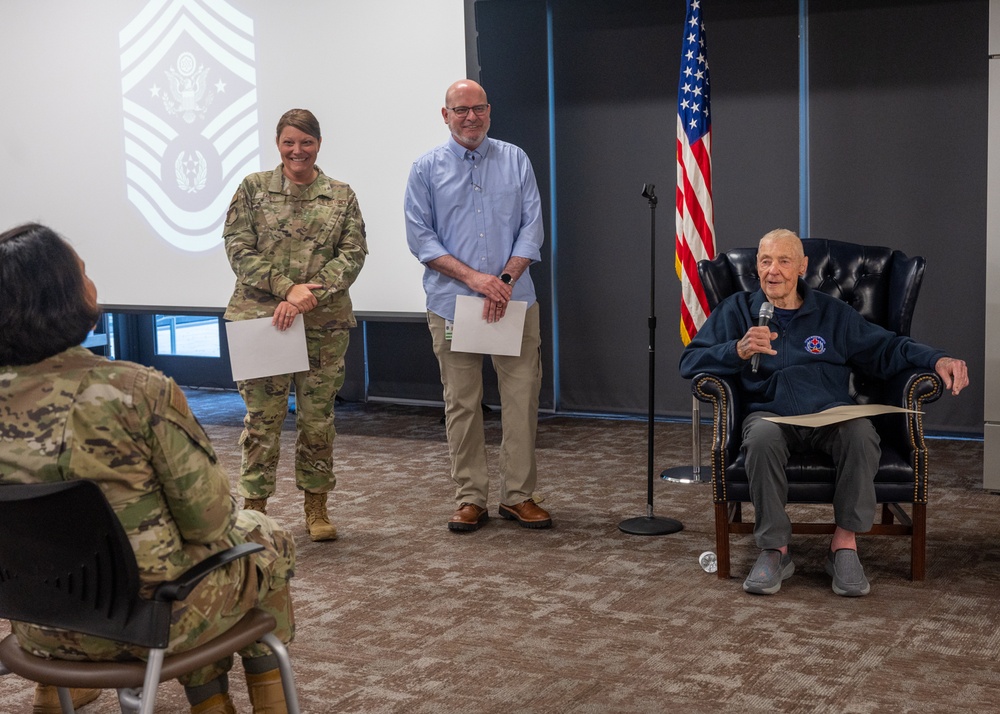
{"x": 215, "y": 704}
{"x": 266, "y": 694}
{"x": 47, "y": 699}
{"x": 317, "y": 521}
{"x": 255, "y": 504}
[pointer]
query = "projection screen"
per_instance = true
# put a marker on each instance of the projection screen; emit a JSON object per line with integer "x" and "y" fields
{"x": 128, "y": 125}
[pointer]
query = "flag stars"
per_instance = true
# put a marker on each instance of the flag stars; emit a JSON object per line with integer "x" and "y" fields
{"x": 695, "y": 239}
{"x": 693, "y": 102}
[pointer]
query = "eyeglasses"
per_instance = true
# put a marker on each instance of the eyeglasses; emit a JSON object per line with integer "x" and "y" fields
{"x": 479, "y": 110}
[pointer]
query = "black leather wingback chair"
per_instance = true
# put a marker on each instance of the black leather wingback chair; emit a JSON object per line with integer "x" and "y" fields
{"x": 882, "y": 284}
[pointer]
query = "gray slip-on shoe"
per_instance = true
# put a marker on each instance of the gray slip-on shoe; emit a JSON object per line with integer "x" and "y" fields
{"x": 767, "y": 573}
{"x": 848, "y": 576}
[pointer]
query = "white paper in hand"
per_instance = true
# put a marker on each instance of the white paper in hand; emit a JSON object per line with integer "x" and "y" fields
{"x": 473, "y": 334}
{"x": 259, "y": 349}
{"x": 844, "y": 412}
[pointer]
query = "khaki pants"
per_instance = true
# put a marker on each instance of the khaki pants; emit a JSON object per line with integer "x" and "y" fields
{"x": 520, "y": 380}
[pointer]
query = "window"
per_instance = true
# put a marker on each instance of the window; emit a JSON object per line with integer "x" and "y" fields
{"x": 187, "y": 335}
{"x": 100, "y": 339}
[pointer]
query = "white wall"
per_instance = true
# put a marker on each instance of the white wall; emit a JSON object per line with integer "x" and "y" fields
{"x": 88, "y": 92}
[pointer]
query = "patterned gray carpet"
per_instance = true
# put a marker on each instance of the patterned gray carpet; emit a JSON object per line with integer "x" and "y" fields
{"x": 400, "y": 615}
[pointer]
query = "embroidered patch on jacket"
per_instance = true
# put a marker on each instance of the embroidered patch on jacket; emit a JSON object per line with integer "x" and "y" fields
{"x": 815, "y": 345}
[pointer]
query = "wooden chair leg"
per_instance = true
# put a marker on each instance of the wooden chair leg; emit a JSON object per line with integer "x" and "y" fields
{"x": 722, "y": 540}
{"x": 886, "y": 514}
{"x": 918, "y": 546}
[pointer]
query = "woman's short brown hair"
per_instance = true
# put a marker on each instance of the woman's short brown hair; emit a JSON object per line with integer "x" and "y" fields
{"x": 301, "y": 119}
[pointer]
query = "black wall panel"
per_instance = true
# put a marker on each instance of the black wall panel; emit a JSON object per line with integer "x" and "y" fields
{"x": 898, "y": 157}
{"x": 898, "y": 154}
{"x": 897, "y": 123}
{"x": 616, "y": 111}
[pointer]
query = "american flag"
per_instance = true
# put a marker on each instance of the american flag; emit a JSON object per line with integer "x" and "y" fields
{"x": 695, "y": 231}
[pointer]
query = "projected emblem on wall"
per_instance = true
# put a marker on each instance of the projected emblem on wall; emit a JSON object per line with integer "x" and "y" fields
{"x": 189, "y": 95}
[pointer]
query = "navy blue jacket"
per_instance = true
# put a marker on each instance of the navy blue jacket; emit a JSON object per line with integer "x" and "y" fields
{"x": 824, "y": 340}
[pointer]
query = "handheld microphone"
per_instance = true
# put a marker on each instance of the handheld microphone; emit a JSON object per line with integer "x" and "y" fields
{"x": 766, "y": 310}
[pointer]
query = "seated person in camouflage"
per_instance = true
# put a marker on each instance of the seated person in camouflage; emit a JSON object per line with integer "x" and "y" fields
{"x": 129, "y": 428}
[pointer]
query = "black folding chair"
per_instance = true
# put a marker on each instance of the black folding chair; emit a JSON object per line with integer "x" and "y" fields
{"x": 66, "y": 562}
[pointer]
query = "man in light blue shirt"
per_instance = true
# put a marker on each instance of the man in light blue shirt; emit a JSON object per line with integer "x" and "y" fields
{"x": 474, "y": 219}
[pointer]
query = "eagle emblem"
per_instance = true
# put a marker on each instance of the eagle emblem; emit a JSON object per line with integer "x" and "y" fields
{"x": 189, "y": 99}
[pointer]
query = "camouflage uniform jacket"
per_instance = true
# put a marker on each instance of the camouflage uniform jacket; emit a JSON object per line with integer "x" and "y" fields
{"x": 129, "y": 428}
{"x": 279, "y": 234}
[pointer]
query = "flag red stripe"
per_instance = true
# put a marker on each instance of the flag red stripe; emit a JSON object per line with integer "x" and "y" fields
{"x": 694, "y": 217}
{"x": 694, "y": 238}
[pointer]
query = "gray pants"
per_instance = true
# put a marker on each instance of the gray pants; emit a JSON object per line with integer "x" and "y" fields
{"x": 854, "y": 447}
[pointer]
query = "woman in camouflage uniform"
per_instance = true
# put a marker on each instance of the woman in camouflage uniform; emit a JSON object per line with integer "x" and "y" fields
{"x": 296, "y": 241}
{"x": 66, "y": 413}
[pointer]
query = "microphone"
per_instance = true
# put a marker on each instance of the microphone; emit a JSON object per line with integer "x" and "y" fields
{"x": 766, "y": 310}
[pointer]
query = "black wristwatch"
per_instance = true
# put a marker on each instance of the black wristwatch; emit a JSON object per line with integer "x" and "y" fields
{"x": 506, "y": 279}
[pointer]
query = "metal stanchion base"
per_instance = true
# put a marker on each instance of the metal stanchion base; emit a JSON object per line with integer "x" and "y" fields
{"x": 650, "y": 525}
{"x": 686, "y": 474}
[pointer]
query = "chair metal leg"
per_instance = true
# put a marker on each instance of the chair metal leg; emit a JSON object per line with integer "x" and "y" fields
{"x": 285, "y": 667}
{"x": 129, "y": 700}
{"x": 65, "y": 700}
{"x": 151, "y": 681}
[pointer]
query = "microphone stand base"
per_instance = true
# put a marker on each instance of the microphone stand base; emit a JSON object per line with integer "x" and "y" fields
{"x": 650, "y": 525}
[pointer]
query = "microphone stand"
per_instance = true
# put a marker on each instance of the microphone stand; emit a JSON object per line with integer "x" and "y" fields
{"x": 650, "y": 524}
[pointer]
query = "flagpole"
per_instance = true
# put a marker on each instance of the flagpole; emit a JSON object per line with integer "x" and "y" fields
{"x": 689, "y": 474}
{"x": 650, "y": 524}
{"x": 695, "y": 229}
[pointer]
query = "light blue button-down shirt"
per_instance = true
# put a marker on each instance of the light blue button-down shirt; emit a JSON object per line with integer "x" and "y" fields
{"x": 481, "y": 207}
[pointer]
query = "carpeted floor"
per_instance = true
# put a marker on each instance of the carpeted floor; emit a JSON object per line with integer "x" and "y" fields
{"x": 400, "y": 615}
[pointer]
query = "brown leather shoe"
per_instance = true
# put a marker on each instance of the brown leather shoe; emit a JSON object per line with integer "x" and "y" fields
{"x": 528, "y": 513}
{"x": 47, "y": 699}
{"x": 468, "y": 517}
